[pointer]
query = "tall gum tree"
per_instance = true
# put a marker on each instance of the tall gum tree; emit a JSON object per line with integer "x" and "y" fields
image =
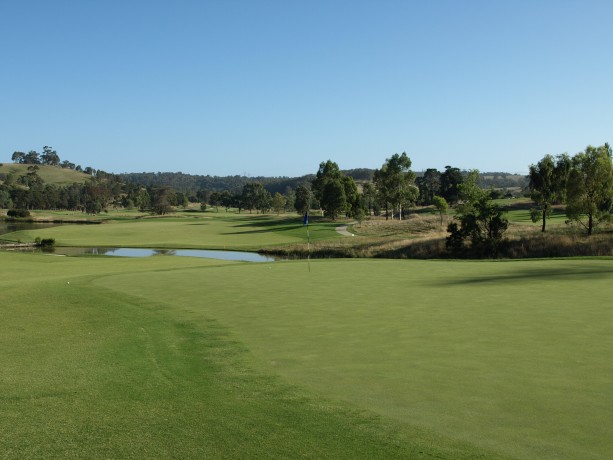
{"x": 589, "y": 191}
{"x": 395, "y": 182}
{"x": 547, "y": 185}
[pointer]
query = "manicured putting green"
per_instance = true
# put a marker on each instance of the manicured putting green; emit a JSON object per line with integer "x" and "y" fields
{"x": 509, "y": 356}
{"x": 352, "y": 359}
{"x": 91, "y": 372}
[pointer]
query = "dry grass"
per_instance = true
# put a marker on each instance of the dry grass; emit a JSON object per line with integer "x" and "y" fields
{"x": 418, "y": 236}
{"x": 421, "y": 236}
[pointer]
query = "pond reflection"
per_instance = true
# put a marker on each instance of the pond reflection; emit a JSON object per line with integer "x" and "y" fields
{"x": 143, "y": 252}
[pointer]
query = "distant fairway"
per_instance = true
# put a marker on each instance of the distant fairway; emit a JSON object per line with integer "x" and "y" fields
{"x": 184, "y": 357}
{"x": 200, "y": 230}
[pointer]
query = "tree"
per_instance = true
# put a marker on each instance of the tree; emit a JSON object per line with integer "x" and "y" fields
{"x": 255, "y": 196}
{"x": 480, "y": 219}
{"x": 451, "y": 180}
{"x": 49, "y": 156}
{"x": 5, "y": 200}
{"x": 352, "y": 197}
{"x": 278, "y": 203}
{"x": 395, "y": 182}
{"x": 264, "y": 202}
{"x": 32, "y": 158}
{"x": 333, "y": 200}
{"x": 215, "y": 200}
{"x": 429, "y": 185}
{"x": 369, "y": 193}
{"x": 441, "y": 205}
{"x": 303, "y": 199}
{"x": 163, "y": 199}
{"x": 290, "y": 198}
{"x": 226, "y": 199}
{"x": 547, "y": 185}
{"x": 143, "y": 199}
{"x": 589, "y": 192}
{"x": 18, "y": 157}
{"x": 327, "y": 171}
{"x": 330, "y": 188}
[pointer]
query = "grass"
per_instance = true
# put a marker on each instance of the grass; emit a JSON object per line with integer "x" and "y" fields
{"x": 513, "y": 357}
{"x": 422, "y": 236}
{"x": 197, "y": 230}
{"x": 184, "y": 358}
{"x": 49, "y": 174}
{"x": 92, "y": 371}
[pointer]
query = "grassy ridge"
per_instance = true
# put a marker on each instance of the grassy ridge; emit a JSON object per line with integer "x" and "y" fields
{"x": 49, "y": 174}
{"x": 88, "y": 372}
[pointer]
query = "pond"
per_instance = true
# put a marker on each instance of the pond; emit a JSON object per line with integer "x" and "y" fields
{"x": 144, "y": 252}
{"x": 9, "y": 227}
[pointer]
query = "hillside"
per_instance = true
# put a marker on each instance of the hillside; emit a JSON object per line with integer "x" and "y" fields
{"x": 49, "y": 174}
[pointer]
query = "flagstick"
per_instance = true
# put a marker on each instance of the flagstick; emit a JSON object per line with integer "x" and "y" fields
{"x": 306, "y": 222}
{"x": 308, "y": 248}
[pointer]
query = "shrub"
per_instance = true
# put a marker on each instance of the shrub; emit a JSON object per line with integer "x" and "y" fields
{"x": 45, "y": 242}
{"x": 18, "y": 213}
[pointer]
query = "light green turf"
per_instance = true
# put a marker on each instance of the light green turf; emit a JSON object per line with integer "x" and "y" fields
{"x": 190, "y": 358}
{"x": 210, "y": 231}
{"x": 514, "y": 357}
{"x": 90, "y": 371}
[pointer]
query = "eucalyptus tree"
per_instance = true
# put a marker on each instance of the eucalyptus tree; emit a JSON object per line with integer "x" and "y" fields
{"x": 441, "y": 205}
{"x": 395, "y": 182}
{"x": 429, "y": 184}
{"x": 481, "y": 220}
{"x": 49, "y": 156}
{"x": 451, "y": 180}
{"x": 589, "y": 191}
{"x": 548, "y": 185}
{"x": 303, "y": 199}
{"x": 369, "y": 194}
{"x": 330, "y": 187}
{"x": 278, "y": 203}
{"x": 18, "y": 157}
{"x": 333, "y": 200}
{"x": 255, "y": 196}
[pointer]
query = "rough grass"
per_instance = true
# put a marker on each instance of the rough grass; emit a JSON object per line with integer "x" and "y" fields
{"x": 422, "y": 236}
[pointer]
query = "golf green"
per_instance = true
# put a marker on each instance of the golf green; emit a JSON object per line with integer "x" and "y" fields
{"x": 182, "y": 357}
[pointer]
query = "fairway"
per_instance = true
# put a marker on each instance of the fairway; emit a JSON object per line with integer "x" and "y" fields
{"x": 200, "y": 230}
{"x": 356, "y": 358}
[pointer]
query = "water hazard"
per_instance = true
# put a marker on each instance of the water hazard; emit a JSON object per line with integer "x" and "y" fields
{"x": 8, "y": 227}
{"x": 144, "y": 252}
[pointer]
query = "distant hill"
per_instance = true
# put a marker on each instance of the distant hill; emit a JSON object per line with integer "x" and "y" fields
{"x": 49, "y": 174}
{"x": 190, "y": 184}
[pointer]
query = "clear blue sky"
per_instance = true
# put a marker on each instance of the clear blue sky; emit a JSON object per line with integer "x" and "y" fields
{"x": 275, "y": 87}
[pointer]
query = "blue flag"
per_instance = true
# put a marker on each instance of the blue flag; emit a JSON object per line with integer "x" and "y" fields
{"x": 306, "y": 218}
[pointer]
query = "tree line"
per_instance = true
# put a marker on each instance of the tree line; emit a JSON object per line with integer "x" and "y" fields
{"x": 583, "y": 183}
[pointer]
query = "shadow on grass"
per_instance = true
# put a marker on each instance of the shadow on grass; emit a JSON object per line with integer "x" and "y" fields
{"x": 542, "y": 274}
{"x": 275, "y": 228}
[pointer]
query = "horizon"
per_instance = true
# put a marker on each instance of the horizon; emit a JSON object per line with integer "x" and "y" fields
{"x": 273, "y": 89}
